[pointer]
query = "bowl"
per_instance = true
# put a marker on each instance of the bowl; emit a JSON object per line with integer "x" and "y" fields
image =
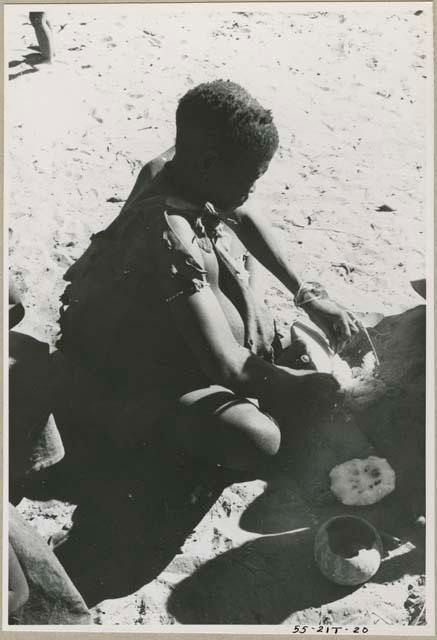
{"x": 348, "y": 550}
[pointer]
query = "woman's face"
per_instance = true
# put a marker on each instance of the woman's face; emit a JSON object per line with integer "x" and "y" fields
{"x": 230, "y": 181}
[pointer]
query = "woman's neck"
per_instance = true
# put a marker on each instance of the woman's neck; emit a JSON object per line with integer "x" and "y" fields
{"x": 185, "y": 181}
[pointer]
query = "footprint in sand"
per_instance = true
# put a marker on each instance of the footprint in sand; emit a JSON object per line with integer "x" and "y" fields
{"x": 109, "y": 41}
{"x": 96, "y": 117}
{"x": 62, "y": 260}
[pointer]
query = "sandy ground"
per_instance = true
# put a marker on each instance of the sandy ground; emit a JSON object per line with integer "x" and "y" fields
{"x": 346, "y": 191}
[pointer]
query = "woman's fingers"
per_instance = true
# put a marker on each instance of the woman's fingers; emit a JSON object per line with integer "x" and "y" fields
{"x": 342, "y": 330}
{"x": 354, "y": 322}
{"x": 338, "y": 324}
{"x": 347, "y": 329}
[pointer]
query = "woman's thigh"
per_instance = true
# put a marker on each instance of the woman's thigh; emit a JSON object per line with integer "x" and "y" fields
{"x": 215, "y": 424}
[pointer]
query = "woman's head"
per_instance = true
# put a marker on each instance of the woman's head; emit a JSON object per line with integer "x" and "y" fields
{"x": 227, "y": 137}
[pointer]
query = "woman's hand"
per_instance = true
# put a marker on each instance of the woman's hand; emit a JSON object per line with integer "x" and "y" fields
{"x": 301, "y": 395}
{"x": 337, "y": 323}
{"x": 324, "y": 384}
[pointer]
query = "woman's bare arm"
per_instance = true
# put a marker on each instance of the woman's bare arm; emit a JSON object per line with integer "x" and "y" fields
{"x": 257, "y": 235}
{"x": 255, "y": 232}
{"x": 203, "y": 325}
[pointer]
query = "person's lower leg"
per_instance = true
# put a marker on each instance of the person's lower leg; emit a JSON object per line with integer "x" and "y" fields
{"x": 44, "y": 37}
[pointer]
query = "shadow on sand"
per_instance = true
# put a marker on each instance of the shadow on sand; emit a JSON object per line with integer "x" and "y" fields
{"x": 136, "y": 510}
{"x": 261, "y": 582}
{"x": 31, "y": 60}
{"x": 265, "y": 581}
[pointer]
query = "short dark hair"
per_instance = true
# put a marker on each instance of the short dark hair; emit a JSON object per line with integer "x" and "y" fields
{"x": 224, "y": 116}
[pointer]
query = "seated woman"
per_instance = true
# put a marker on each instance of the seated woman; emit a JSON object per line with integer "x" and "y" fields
{"x": 160, "y": 314}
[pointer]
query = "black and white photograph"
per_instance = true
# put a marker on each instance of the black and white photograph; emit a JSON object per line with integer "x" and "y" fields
{"x": 219, "y": 350}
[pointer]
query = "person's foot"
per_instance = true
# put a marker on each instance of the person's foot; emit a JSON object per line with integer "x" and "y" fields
{"x": 45, "y": 59}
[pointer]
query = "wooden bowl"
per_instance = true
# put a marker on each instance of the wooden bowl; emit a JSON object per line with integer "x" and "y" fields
{"x": 348, "y": 550}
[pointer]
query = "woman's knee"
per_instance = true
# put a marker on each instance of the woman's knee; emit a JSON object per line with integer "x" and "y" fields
{"x": 266, "y": 434}
{"x": 216, "y": 424}
{"x": 259, "y": 435}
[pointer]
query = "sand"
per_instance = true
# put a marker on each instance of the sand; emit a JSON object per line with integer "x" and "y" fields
{"x": 347, "y": 193}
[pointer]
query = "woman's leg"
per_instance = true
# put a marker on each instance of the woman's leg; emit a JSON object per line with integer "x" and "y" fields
{"x": 214, "y": 424}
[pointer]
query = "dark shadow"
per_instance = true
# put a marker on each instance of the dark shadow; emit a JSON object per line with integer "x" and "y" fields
{"x": 298, "y": 493}
{"x": 285, "y": 506}
{"x": 135, "y": 510}
{"x": 279, "y": 509}
{"x": 261, "y": 582}
{"x": 31, "y": 59}
{"x": 391, "y": 426}
{"x": 296, "y": 497}
{"x": 267, "y": 580}
{"x": 135, "y": 505}
{"x": 13, "y": 76}
{"x": 395, "y": 423}
{"x": 34, "y": 59}
{"x": 411, "y": 563}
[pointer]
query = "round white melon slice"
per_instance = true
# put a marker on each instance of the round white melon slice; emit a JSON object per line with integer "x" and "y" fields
{"x": 362, "y": 482}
